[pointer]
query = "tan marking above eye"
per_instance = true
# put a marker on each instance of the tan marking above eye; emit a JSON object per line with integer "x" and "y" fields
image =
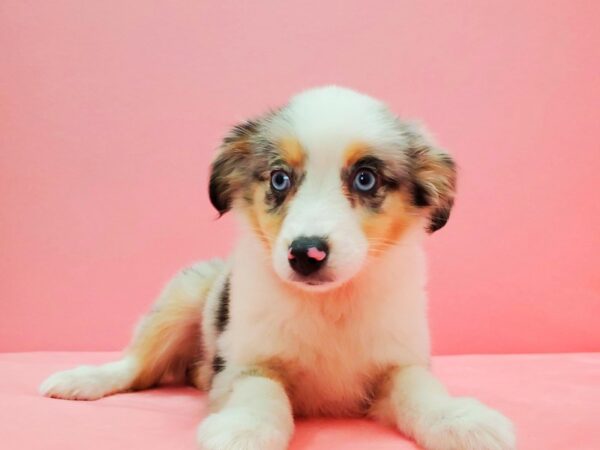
{"x": 354, "y": 152}
{"x": 292, "y": 152}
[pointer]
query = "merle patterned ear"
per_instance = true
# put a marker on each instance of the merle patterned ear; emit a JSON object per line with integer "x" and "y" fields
{"x": 230, "y": 166}
{"x": 433, "y": 176}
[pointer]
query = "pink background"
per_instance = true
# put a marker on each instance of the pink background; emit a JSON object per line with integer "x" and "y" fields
{"x": 109, "y": 113}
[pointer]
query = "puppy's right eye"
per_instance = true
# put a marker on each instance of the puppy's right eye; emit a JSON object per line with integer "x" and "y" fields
{"x": 365, "y": 181}
{"x": 280, "y": 181}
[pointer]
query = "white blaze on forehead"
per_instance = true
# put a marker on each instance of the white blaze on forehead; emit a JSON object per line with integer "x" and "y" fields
{"x": 319, "y": 204}
{"x": 328, "y": 120}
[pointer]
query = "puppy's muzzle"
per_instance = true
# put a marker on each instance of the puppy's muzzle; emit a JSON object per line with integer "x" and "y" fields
{"x": 307, "y": 255}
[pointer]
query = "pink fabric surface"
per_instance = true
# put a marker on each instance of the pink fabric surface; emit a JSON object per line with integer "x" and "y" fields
{"x": 554, "y": 400}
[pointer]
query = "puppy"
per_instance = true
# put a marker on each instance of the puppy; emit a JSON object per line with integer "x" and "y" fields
{"x": 321, "y": 310}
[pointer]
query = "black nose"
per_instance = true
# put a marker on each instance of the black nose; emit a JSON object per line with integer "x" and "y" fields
{"x": 308, "y": 254}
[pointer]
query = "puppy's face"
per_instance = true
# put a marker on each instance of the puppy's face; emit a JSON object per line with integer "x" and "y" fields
{"x": 329, "y": 180}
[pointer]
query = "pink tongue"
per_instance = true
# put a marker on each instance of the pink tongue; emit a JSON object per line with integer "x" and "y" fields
{"x": 317, "y": 254}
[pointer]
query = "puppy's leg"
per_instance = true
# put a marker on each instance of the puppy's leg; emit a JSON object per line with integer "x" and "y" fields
{"x": 256, "y": 414}
{"x": 421, "y": 408}
{"x": 166, "y": 341}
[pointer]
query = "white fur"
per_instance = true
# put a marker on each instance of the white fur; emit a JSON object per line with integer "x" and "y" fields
{"x": 381, "y": 318}
{"x": 294, "y": 348}
{"x": 332, "y": 117}
{"x": 420, "y": 406}
{"x": 372, "y": 315}
{"x": 257, "y": 416}
{"x": 91, "y": 382}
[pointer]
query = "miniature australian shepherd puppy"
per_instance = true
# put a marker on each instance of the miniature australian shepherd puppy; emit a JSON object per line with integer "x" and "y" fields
{"x": 321, "y": 310}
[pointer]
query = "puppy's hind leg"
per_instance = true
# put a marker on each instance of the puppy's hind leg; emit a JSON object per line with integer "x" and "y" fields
{"x": 166, "y": 342}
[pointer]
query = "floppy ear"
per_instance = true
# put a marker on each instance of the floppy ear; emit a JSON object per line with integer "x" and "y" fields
{"x": 433, "y": 176}
{"x": 229, "y": 170}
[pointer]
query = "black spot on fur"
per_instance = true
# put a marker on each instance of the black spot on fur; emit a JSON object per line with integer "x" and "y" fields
{"x": 225, "y": 178}
{"x": 222, "y": 318}
{"x": 274, "y": 200}
{"x": 229, "y": 170}
{"x": 433, "y": 180}
{"x": 221, "y": 204}
{"x": 241, "y": 130}
{"x": 438, "y": 219}
{"x": 420, "y": 197}
{"x": 218, "y": 363}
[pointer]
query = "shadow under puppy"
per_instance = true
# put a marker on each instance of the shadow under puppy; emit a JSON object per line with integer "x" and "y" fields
{"x": 321, "y": 309}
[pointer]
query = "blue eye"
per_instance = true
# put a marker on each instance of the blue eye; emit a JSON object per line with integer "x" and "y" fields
{"x": 280, "y": 181}
{"x": 365, "y": 180}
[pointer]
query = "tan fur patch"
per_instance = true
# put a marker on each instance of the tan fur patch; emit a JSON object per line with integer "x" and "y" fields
{"x": 167, "y": 340}
{"x": 292, "y": 152}
{"x": 382, "y": 409}
{"x": 265, "y": 225}
{"x": 306, "y": 401}
{"x": 386, "y": 227}
{"x": 265, "y": 371}
{"x": 354, "y": 152}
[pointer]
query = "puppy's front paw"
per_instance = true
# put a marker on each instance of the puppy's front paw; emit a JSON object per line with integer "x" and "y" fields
{"x": 240, "y": 429}
{"x": 467, "y": 424}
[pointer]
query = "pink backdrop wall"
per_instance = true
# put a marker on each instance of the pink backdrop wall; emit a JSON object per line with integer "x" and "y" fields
{"x": 109, "y": 113}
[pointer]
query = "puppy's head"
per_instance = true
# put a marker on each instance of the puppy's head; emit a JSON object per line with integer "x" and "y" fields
{"x": 330, "y": 179}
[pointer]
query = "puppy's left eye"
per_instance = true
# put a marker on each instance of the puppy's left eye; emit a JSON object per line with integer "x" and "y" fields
{"x": 365, "y": 181}
{"x": 280, "y": 181}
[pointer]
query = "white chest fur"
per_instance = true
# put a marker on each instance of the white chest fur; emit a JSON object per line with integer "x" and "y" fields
{"x": 330, "y": 348}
